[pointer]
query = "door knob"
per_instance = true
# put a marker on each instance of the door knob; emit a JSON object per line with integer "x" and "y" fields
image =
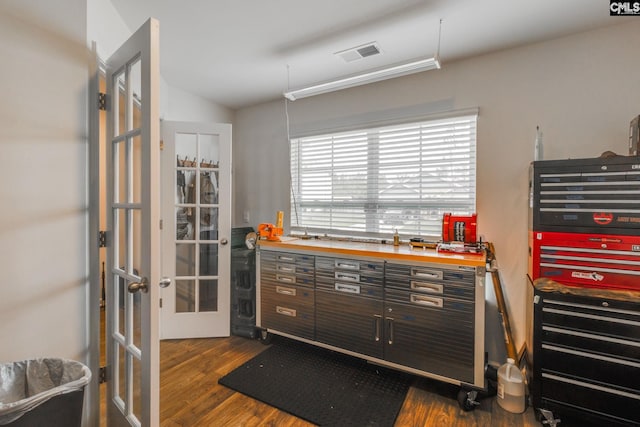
{"x": 134, "y": 287}
{"x": 223, "y": 241}
{"x": 164, "y": 282}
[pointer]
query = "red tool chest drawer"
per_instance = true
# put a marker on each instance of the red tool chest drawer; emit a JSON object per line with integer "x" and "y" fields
{"x": 587, "y": 260}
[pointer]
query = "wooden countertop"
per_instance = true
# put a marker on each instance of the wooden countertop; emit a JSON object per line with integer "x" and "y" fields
{"x": 403, "y": 252}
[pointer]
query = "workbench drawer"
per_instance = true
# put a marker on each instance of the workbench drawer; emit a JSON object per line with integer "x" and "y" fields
{"x": 288, "y": 309}
{"x": 346, "y": 264}
{"x": 286, "y": 278}
{"x": 287, "y": 258}
{"x": 431, "y": 281}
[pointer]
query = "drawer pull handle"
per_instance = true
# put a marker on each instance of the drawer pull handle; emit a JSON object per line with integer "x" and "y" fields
{"x": 428, "y": 274}
{"x": 347, "y": 265}
{"x": 347, "y": 276}
{"x": 285, "y": 268}
{"x": 432, "y": 288}
{"x": 285, "y": 291}
{"x": 286, "y": 279}
{"x": 426, "y": 301}
{"x": 286, "y": 311}
{"x": 350, "y": 289}
{"x": 285, "y": 258}
{"x": 390, "y": 330}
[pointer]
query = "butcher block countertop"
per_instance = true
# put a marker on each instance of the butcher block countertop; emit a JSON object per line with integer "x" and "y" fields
{"x": 404, "y": 252}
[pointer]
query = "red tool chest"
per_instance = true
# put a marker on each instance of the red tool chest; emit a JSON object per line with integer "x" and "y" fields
{"x": 584, "y": 222}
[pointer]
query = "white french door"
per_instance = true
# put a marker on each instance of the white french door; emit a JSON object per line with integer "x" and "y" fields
{"x": 133, "y": 230}
{"x": 196, "y": 212}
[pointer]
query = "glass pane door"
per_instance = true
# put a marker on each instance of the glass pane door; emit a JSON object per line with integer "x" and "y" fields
{"x": 132, "y": 207}
{"x": 196, "y": 206}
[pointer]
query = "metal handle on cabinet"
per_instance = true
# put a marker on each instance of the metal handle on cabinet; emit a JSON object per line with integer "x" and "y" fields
{"x": 429, "y": 274}
{"x": 285, "y": 291}
{"x": 286, "y": 279}
{"x": 353, "y": 277}
{"x": 376, "y": 326}
{"x": 350, "y": 289}
{"x": 223, "y": 241}
{"x": 286, "y": 268}
{"x": 433, "y": 288}
{"x": 134, "y": 287}
{"x": 286, "y": 311}
{"x": 164, "y": 282}
{"x": 428, "y": 301}
{"x": 390, "y": 330}
{"x": 347, "y": 265}
{"x": 284, "y": 258}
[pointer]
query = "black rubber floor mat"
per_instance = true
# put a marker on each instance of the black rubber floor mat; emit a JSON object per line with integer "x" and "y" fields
{"x": 321, "y": 386}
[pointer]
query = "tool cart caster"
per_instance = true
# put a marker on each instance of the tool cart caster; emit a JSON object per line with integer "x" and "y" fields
{"x": 546, "y": 418}
{"x": 264, "y": 336}
{"x": 467, "y": 399}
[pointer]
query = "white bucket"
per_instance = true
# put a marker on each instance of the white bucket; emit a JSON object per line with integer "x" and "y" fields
{"x": 511, "y": 388}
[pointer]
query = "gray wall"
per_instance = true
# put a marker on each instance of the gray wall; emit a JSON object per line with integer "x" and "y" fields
{"x": 582, "y": 91}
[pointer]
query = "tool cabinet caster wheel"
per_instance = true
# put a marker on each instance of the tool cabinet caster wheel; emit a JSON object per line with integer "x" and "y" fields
{"x": 467, "y": 399}
{"x": 264, "y": 336}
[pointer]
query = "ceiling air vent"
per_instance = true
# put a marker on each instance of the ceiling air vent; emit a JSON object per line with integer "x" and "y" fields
{"x": 359, "y": 52}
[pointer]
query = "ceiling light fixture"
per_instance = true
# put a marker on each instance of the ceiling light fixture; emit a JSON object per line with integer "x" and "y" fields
{"x": 377, "y": 75}
{"x": 389, "y": 72}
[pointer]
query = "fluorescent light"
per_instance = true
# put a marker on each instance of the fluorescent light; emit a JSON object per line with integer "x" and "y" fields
{"x": 396, "y": 70}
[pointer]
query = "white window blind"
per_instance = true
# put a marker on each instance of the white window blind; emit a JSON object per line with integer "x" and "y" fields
{"x": 373, "y": 181}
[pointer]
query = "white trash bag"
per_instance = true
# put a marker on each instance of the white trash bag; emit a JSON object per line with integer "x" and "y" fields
{"x": 26, "y": 384}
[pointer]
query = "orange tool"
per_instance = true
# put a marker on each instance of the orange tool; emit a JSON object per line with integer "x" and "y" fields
{"x": 270, "y": 232}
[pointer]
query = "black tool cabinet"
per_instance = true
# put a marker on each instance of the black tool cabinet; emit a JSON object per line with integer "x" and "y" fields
{"x": 586, "y": 364}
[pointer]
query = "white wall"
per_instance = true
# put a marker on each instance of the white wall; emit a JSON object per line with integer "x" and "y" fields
{"x": 108, "y": 29}
{"x": 43, "y": 158}
{"x": 186, "y": 106}
{"x": 105, "y": 26}
{"x": 43, "y": 153}
{"x": 582, "y": 91}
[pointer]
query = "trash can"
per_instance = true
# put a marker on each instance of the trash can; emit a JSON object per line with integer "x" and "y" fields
{"x": 42, "y": 392}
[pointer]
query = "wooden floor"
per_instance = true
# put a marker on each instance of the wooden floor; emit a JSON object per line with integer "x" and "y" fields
{"x": 191, "y": 396}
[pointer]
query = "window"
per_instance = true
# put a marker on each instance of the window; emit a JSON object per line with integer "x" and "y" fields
{"x": 373, "y": 181}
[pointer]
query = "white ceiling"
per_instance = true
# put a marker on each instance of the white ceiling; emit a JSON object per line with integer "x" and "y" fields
{"x": 243, "y": 52}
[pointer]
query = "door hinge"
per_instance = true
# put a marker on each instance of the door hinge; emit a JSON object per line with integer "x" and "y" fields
{"x": 102, "y": 101}
{"x": 161, "y": 145}
{"x": 161, "y": 224}
{"x": 102, "y": 239}
{"x": 160, "y": 302}
{"x": 102, "y": 375}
